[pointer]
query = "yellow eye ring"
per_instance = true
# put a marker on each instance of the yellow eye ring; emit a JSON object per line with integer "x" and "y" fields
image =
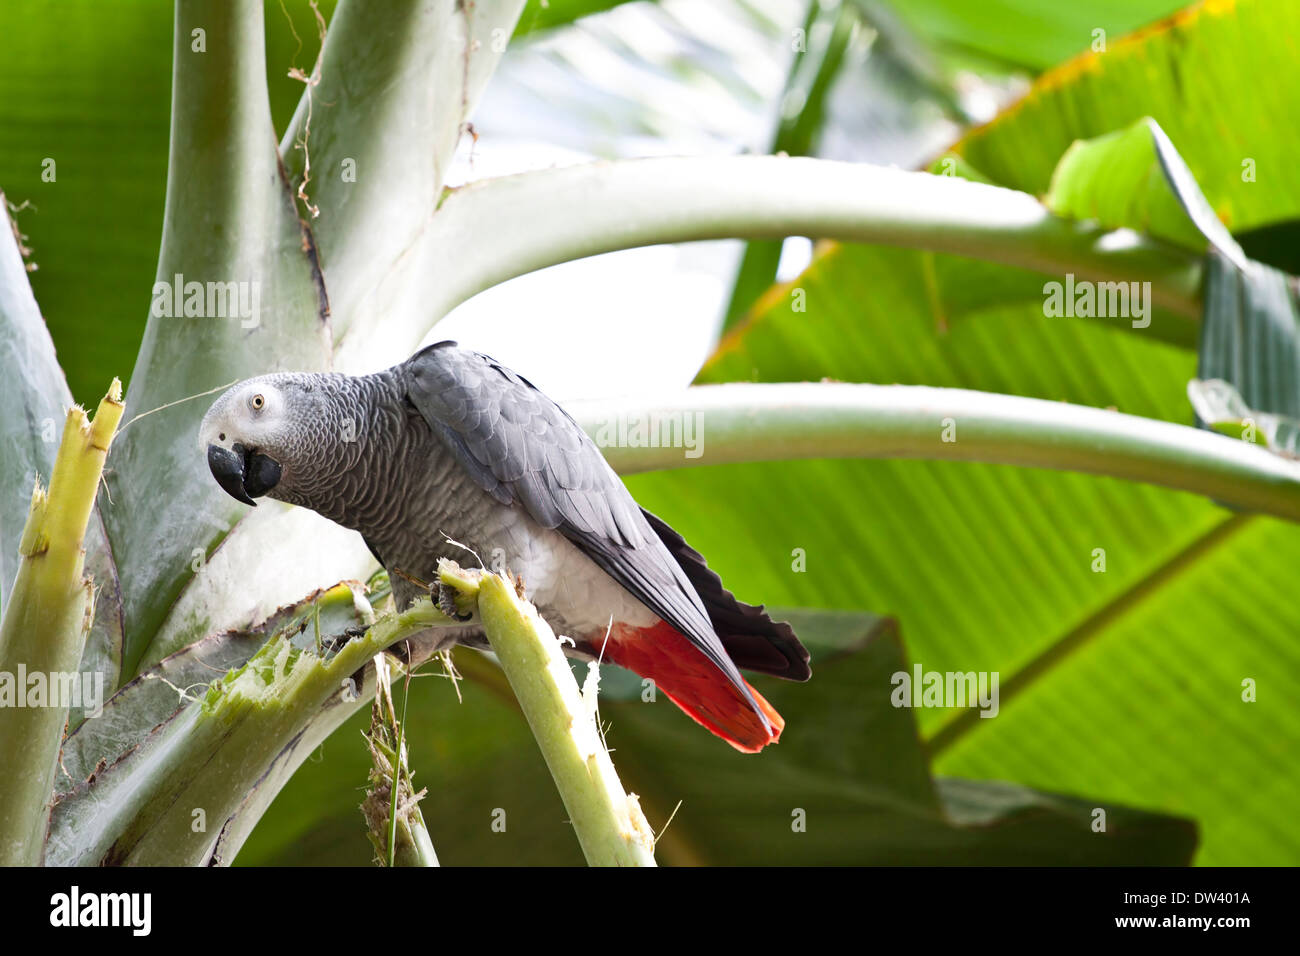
{"x": 257, "y": 402}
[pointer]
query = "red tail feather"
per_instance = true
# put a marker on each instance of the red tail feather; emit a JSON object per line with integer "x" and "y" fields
{"x": 694, "y": 683}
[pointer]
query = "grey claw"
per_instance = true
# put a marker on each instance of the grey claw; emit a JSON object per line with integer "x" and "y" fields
{"x": 447, "y": 603}
{"x": 334, "y": 642}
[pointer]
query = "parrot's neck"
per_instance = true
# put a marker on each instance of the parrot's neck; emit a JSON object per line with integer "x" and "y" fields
{"x": 357, "y": 441}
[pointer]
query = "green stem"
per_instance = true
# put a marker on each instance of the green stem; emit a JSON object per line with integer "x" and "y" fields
{"x": 386, "y": 103}
{"x": 396, "y": 789}
{"x": 396, "y": 825}
{"x": 43, "y": 633}
{"x": 496, "y": 229}
{"x": 421, "y": 851}
{"x": 743, "y": 422}
{"x": 228, "y": 218}
{"x": 609, "y": 823}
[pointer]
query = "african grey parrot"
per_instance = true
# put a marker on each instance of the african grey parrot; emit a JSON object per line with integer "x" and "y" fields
{"x": 450, "y": 444}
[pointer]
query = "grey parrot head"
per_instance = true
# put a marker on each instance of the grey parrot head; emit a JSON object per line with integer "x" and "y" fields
{"x": 255, "y": 436}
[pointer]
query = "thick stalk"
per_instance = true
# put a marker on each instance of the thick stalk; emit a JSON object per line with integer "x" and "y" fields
{"x": 385, "y": 104}
{"x": 744, "y": 422}
{"x": 44, "y": 629}
{"x": 394, "y": 822}
{"x": 496, "y": 229}
{"x": 229, "y": 224}
{"x": 609, "y": 823}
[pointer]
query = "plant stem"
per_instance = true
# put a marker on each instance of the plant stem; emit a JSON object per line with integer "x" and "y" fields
{"x": 609, "y": 823}
{"x": 780, "y": 422}
{"x": 392, "y": 807}
{"x": 223, "y": 172}
{"x": 495, "y": 229}
{"x": 43, "y": 633}
{"x": 417, "y": 67}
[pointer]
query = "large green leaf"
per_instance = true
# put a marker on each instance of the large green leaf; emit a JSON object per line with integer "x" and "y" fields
{"x": 99, "y": 111}
{"x": 37, "y": 398}
{"x": 1250, "y": 336}
{"x": 1198, "y": 75}
{"x": 1148, "y": 705}
{"x": 30, "y": 431}
{"x": 93, "y": 121}
{"x": 828, "y": 28}
{"x": 992, "y": 568}
{"x": 1028, "y": 34}
{"x": 1135, "y": 177}
{"x": 541, "y": 15}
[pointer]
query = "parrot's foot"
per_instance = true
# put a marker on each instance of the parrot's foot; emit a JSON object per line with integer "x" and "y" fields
{"x": 445, "y": 597}
{"x": 334, "y": 642}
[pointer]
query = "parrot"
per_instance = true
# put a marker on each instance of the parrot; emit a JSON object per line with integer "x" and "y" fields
{"x": 451, "y": 451}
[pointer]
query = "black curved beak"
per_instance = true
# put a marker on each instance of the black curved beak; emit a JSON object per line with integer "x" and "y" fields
{"x": 228, "y": 468}
{"x": 242, "y": 474}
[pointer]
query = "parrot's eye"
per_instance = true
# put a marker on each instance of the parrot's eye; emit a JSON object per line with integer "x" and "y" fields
{"x": 257, "y": 402}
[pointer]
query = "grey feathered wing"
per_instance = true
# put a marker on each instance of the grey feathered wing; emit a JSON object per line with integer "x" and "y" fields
{"x": 523, "y": 449}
